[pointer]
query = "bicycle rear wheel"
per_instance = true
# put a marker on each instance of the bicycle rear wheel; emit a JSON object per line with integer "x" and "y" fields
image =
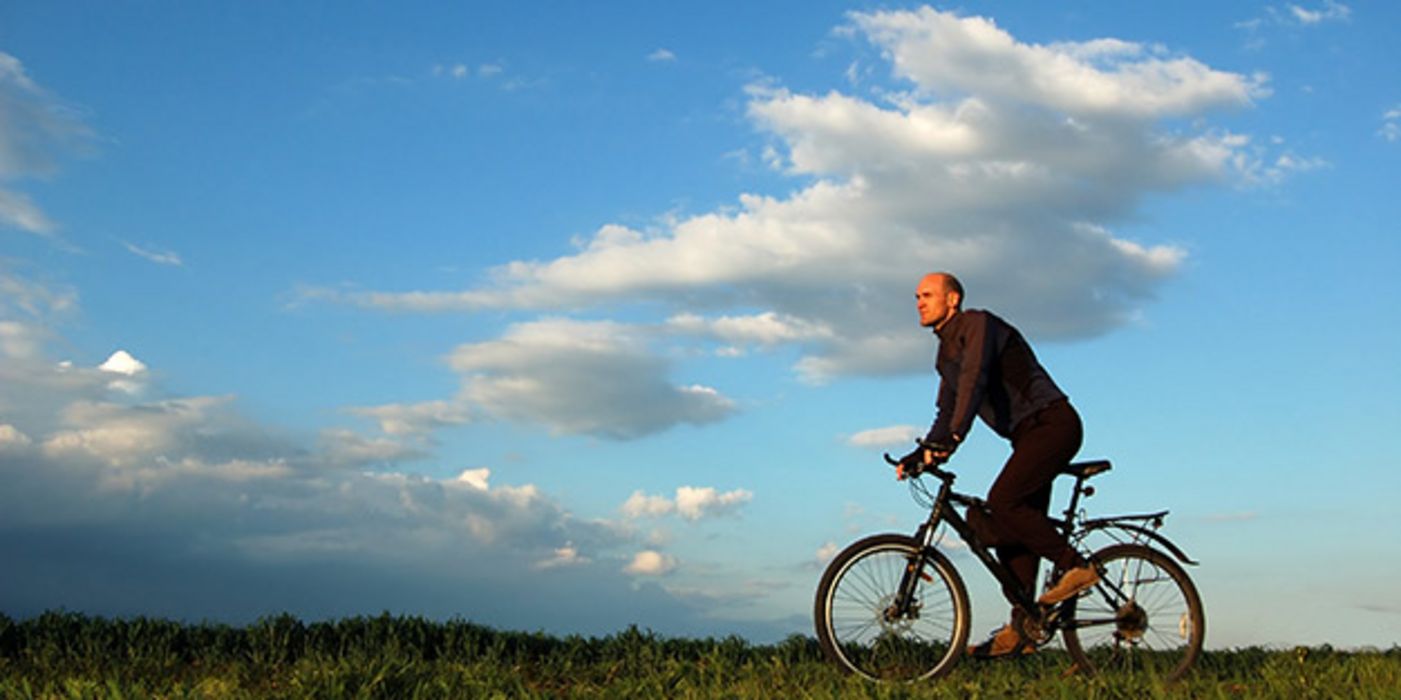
{"x": 859, "y": 628}
{"x": 1144, "y": 617}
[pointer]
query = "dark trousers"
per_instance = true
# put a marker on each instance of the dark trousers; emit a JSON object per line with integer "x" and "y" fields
{"x": 1042, "y": 445}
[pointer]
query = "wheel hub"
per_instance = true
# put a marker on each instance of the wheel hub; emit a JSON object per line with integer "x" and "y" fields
{"x": 892, "y": 620}
{"x": 1131, "y": 622}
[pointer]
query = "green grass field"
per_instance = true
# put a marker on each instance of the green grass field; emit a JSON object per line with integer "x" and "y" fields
{"x": 61, "y": 655}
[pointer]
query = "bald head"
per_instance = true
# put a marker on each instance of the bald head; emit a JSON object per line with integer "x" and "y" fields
{"x": 947, "y": 280}
{"x": 938, "y": 297}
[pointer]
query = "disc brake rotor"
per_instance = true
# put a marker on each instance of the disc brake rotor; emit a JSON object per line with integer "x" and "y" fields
{"x": 891, "y": 621}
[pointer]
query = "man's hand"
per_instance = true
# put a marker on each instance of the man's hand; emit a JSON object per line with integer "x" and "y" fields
{"x": 926, "y": 454}
{"x": 913, "y": 464}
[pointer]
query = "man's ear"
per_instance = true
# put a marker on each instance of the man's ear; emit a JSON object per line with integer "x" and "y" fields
{"x": 955, "y": 300}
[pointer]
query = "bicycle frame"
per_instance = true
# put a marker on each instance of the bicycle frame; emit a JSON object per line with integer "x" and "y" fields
{"x": 895, "y": 607}
{"x": 1135, "y": 528}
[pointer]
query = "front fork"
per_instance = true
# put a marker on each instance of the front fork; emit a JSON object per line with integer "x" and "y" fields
{"x": 904, "y": 606}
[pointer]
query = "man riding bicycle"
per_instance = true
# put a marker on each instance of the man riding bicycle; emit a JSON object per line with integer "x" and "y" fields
{"x": 986, "y": 368}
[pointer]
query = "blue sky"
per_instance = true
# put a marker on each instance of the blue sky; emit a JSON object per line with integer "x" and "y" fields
{"x": 567, "y": 317}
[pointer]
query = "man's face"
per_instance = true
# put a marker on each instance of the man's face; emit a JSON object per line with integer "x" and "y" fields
{"x": 934, "y": 301}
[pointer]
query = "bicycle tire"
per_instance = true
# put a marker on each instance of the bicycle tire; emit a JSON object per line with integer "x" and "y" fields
{"x": 854, "y": 593}
{"x": 1144, "y": 617}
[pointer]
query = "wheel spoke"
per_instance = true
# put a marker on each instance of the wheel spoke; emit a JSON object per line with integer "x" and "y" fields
{"x": 1145, "y": 618}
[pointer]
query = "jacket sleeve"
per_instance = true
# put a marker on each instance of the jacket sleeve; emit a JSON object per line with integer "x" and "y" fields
{"x": 940, "y": 432}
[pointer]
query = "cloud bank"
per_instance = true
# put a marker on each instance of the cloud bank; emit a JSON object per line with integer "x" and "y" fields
{"x": 120, "y": 499}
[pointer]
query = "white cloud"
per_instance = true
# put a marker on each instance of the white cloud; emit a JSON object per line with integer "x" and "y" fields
{"x": 463, "y": 72}
{"x": 1391, "y": 125}
{"x": 121, "y": 362}
{"x": 1291, "y": 16}
{"x": 23, "y": 297}
{"x": 131, "y": 373}
{"x": 19, "y": 211}
{"x": 825, "y": 553}
{"x": 692, "y": 503}
{"x": 594, "y": 378}
{"x": 766, "y": 329}
{"x": 1006, "y": 162}
{"x": 34, "y": 128}
{"x": 641, "y": 505}
{"x": 1260, "y": 172}
{"x": 661, "y": 56}
{"x": 475, "y": 478}
{"x": 941, "y": 51}
{"x": 159, "y": 257}
{"x": 651, "y": 563}
{"x": 855, "y": 73}
{"x": 890, "y": 436}
{"x": 1330, "y": 12}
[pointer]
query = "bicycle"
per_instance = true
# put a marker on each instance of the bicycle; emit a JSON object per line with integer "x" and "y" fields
{"x": 892, "y": 607}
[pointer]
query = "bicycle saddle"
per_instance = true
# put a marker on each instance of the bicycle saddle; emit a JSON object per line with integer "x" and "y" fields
{"x": 1085, "y": 470}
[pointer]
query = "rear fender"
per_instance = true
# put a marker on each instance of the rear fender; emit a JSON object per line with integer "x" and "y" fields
{"x": 1138, "y": 532}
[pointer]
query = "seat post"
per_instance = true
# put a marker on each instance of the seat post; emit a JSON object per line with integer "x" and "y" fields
{"x": 1069, "y": 512}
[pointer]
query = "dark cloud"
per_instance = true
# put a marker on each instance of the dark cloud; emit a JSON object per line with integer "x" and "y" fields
{"x": 116, "y": 504}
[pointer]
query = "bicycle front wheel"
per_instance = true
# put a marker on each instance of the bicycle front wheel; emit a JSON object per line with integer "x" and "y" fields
{"x": 860, "y": 627}
{"x": 1144, "y": 617}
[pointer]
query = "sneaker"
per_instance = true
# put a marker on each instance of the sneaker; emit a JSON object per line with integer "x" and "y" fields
{"x": 1071, "y": 584}
{"x": 1004, "y": 642}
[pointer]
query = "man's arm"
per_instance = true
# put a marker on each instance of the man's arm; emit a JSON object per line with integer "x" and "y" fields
{"x": 940, "y": 431}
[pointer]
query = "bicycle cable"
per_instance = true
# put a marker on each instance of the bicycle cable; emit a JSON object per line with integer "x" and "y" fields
{"x": 920, "y": 493}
